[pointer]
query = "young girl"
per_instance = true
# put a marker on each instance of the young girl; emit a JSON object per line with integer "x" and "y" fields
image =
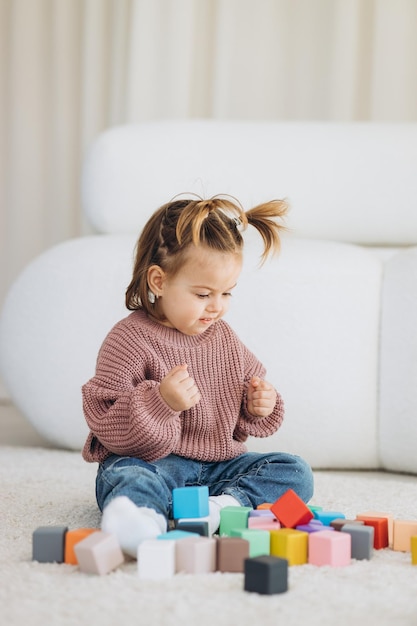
{"x": 176, "y": 393}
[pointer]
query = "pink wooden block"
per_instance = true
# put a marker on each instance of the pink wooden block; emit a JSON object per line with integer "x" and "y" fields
{"x": 99, "y": 553}
{"x": 329, "y": 548}
{"x": 196, "y": 555}
{"x": 264, "y": 522}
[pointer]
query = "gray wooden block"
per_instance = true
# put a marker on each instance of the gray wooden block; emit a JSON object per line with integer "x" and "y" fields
{"x": 48, "y": 544}
{"x": 362, "y": 540}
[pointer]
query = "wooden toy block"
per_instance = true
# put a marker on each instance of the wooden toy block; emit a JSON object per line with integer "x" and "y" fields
{"x": 190, "y": 502}
{"x": 388, "y": 516}
{"x": 290, "y": 510}
{"x": 314, "y": 508}
{"x": 156, "y": 559}
{"x": 289, "y": 544}
{"x": 312, "y": 527}
{"x": 263, "y": 522}
{"x": 266, "y": 575}
{"x": 233, "y": 517}
{"x": 194, "y": 526}
{"x": 176, "y": 535}
{"x": 99, "y": 553}
{"x": 265, "y": 506}
{"x": 329, "y": 548}
{"x": 71, "y": 539}
{"x": 326, "y": 517}
{"x": 231, "y": 554}
{"x": 413, "y": 543}
{"x": 403, "y": 531}
{"x": 261, "y": 513}
{"x": 362, "y": 540}
{"x": 339, "y": 522}
{"x": 259, "y": 540}
{"x": 380, "y": 526}
{"x": 196, "y": 555}
{"x": 48, "y": 544}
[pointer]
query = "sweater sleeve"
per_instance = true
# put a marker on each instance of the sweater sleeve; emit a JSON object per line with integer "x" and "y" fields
{"x": 125, "y": 412}
{"x": 253, "y": 425}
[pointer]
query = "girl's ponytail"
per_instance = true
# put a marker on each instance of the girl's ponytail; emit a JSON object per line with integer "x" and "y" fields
{"x": 263, "y": 217}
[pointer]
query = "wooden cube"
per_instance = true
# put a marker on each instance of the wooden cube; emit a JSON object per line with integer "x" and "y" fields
{"x": 329, "y": 548}
{"x": 266, "y": 575}
{"x": 290, "y": 510}
{"x": 99, "y": 553}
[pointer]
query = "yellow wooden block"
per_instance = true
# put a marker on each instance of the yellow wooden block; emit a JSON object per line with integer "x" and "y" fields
{"x": 414, "y": 549}
{"x": 403, "y": 531}
{"x": 290, "y": 544}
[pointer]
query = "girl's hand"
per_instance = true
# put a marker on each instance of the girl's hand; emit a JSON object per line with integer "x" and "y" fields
{"x": 261, "y": 397}
{"x": 178, "y": 389}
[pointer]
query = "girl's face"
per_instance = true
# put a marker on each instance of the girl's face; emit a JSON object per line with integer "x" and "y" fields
{"x": 199, "y": 294}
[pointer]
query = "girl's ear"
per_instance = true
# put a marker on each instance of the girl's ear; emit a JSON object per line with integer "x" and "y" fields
{"x": 156, "y": 278}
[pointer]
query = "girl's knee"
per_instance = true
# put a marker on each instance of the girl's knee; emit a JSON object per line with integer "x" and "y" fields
{"x": 305, "y": 479}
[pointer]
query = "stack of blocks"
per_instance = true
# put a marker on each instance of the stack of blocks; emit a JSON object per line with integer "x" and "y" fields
{"x": 259, "y": 543}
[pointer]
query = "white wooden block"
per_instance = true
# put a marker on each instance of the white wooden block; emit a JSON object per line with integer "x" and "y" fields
{"x": 156, "y": 559}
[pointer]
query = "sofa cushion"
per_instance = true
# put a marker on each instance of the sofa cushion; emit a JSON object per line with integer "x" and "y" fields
{"x": 342, "y": 179}
{"x": 398, "y": 397}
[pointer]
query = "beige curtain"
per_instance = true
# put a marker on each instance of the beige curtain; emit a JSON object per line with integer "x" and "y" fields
{"x": 69, "y": 68}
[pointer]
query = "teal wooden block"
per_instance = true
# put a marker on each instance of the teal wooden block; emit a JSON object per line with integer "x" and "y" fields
{"x": 190, "y": 502}
{"x": 174, "y": 535}
{"x": 259, "y": 540}
{"x": 233, "y": 517}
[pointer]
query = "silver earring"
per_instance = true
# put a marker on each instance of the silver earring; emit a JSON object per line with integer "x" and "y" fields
{"x": 151, "y": 297}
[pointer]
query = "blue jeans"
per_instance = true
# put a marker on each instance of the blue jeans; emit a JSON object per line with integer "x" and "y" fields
{"x": 251, "y": 478}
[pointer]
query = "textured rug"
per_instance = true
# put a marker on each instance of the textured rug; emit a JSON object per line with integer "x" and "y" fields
{"x": 41, "y": 487}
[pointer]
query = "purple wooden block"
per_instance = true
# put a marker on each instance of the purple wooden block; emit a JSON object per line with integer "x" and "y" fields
{"x": 311, "y": 527}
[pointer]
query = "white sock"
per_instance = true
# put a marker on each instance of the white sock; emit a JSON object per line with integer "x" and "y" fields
{"x": 216, "y": 503}
{"x": 131, "y": 524}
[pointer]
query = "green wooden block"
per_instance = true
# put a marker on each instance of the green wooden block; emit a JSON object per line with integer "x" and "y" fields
{"x": 232, "y": 517}
{"x": 259, "y": 540}
{"x": 313, "y": 508}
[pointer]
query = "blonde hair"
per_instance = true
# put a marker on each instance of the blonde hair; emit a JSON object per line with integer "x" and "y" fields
{"x": 215, "y": 223}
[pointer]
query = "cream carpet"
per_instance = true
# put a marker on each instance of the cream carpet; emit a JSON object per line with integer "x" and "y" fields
{"x": 40, "y": 487}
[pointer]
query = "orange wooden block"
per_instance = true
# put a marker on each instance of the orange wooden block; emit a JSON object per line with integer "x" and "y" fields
{"x": 291, "y": 511}
{"x": 72, "y": 538}
{"x": 265, "y": 506}
{"x": 403, "y": 531}
{"x": 380, "y": 526}
{"x": 388, "y": 516}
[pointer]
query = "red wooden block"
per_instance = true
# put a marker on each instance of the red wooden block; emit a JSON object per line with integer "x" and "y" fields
{"x": 291, "y": 511}
{"x": 380, "y": 525}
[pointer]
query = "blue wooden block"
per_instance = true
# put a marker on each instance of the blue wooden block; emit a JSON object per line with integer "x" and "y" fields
{"x": 328, "y": 516}
{"x": 190, "y": 502}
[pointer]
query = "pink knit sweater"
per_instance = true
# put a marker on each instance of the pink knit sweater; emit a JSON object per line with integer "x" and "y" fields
{"x": 127, "y": 415}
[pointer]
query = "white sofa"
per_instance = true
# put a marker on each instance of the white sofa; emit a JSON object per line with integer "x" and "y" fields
{"x": 333, "y": 317}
